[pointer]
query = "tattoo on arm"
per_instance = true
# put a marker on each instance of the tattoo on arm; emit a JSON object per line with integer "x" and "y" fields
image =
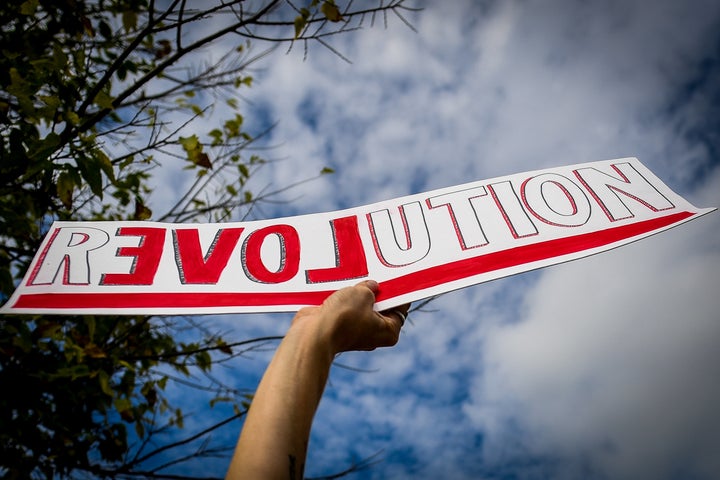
{"x": 293, "y": 473}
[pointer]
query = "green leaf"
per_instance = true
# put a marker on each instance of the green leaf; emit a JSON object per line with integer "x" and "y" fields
{"x": 42, "y": 149}
{"x": 179, "y": 418}
{"x": 122, "y": 404}
{"x": 331, "y": 11}
{"x": 72, "y": 117}
{"x": 217, "y": 400}
{"x": 105, "y": 164}
{"x": 216, "y": 135}
{"x": 129, "y": 20}
{"x": 203, "y": 360}
{"x": 141, "y": 211}
{"x": 65, "y": 187}
{"x": 104, "y": 380}
{"x": 90, "y": 172}
{"x": 29, "y": 7}
{"x": 326, "y": 171}
{"x": 190, "y": 144}
{"x": 301, "y": 21}
{"x": 139, "y": 429}
{"x": 103, "y": 100}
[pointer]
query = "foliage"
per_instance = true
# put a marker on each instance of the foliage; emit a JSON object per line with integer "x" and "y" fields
{"x": 95, "y": 95}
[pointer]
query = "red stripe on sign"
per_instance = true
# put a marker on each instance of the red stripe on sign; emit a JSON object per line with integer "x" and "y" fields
{"x": 430, "y": 277}
{"x": 512, "y": 257}
{"x": 82, "y": 301}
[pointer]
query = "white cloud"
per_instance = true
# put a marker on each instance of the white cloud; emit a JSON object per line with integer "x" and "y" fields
{"x": 616, "y": 361}
{"x": 603, "y": 367}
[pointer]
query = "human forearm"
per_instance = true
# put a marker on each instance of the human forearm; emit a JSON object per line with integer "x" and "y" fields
{"x": 273, "y": 443}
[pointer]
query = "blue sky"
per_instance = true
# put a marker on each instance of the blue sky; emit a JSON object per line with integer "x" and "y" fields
{"x": 606, "y": 367}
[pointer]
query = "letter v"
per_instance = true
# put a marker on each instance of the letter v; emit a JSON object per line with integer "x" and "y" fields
{"x": 193, "y": 266}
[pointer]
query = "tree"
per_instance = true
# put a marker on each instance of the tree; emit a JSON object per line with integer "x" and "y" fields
{"x": 95, "y": 96}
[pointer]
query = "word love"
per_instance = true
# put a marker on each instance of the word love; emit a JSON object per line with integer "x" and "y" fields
{"x": 415, "y": 246}
{"x": 66, "y": 259}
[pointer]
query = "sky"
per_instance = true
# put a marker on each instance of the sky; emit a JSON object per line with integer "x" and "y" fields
{"x": 606, "y": 367}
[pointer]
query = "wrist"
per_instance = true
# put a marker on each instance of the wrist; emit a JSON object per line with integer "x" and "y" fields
{"x": 313, "y": 333}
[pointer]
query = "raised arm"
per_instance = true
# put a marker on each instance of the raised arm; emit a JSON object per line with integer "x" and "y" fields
{"x": 274, "y": 440}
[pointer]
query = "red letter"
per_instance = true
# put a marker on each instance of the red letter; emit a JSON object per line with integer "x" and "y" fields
{"x": 147, "y": 257}
{"x": 193, "y": 266}
{"x": 289, "y": 254}
{"x": 350, "y": 259}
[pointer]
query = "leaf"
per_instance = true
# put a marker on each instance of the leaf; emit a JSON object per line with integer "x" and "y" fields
{"x": 225, "y": 348}
{"x": 326, "y": 171}
{"x": 204, "y": 360}
{"x": 87, "y": 26}
{"x": 93, "y": 351}
{"x": 90, "y": 172}
{"x": 46, "y": 330}
{"x": 29, "y": 7}
{"x": 129, "y": 20}
{"x": 203, "y": 160}
{"x": 104, "y": 380}
{"x": 164, "y": 49}
{"x": 331, "y": 11}
{"x": 91, "y": 325}
{"x": 105, "y": 164}
{"x": 65, "y": 186}
{"x": 72, "y": 117}
{"x": 216, "y": 134}
{"x": 43, "y": 148}
{"x": 141, "y": 211}
{"x": 179, "y": 418}
{"x": 216, "y": 400}
{"x": 103, "y": 100}
{"x": 139, "y": 429}
{"x": 190, "y": 143}
{"x": 300, "y": 21}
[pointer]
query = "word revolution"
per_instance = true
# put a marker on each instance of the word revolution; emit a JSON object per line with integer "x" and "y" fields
{"x": 415, "y": 246}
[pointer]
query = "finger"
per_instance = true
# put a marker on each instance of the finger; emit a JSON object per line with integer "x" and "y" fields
{"x": 371, "y": 285}
{"x": 401, "y": 309}
{"x": 397, "y": 314}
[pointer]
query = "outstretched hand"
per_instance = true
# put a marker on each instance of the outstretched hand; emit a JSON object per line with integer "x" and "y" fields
{"x": 349, "y": 322}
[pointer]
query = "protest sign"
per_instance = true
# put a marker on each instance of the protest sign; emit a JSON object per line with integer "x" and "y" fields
{"x": 415, "y": 246}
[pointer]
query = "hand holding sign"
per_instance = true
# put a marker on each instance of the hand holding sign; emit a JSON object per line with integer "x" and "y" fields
{"x": 415, "y": 246}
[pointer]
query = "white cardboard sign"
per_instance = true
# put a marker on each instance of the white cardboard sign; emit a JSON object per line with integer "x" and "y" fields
{"x": 414, "y": 246}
